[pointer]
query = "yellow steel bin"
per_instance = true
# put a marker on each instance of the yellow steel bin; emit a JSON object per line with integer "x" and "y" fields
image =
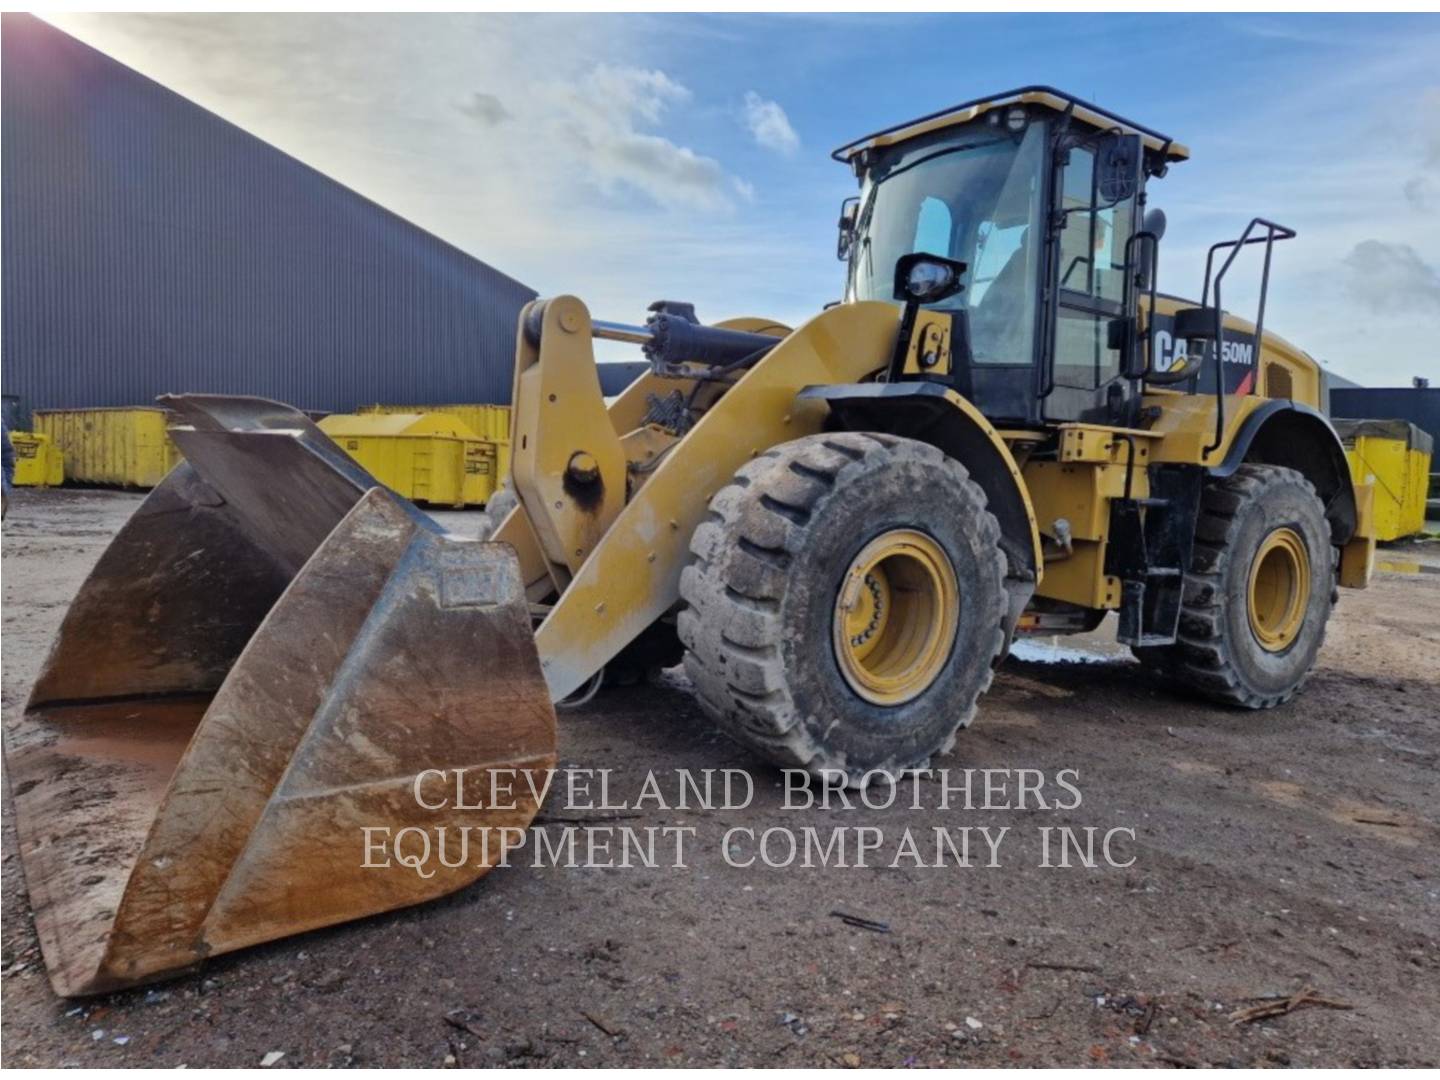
{"x": 1397, "y": 454}
{"x": 427, "y": 457}
{"x": 490, "y": 423}
{"x": 129, "y": 447}
{"x": 38, "y": 461}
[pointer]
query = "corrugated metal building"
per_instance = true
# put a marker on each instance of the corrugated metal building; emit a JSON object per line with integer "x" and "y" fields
{"x": 150, "y": 246}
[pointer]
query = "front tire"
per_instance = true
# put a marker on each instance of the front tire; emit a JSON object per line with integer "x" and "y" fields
{"x": 1259, "y": 591}
{"x": 845, "y": 604}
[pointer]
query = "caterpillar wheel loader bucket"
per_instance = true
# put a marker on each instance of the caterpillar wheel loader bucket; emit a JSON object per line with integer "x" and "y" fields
{"x": 256, "y": 672}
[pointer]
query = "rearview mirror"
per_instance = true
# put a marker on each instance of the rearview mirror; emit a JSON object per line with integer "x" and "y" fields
{"x": 849, "y": 211}
{"x": 1117, "y": 167}
{"x": 1152, "y": 224}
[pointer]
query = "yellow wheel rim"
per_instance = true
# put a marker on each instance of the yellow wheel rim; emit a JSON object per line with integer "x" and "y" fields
{"x": 1279, "y": 589}
{"x": 895, "y": 617}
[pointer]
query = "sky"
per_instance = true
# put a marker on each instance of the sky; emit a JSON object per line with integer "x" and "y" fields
{"x": 631, "y": 158}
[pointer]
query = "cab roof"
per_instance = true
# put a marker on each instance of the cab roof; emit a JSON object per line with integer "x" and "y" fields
{"x": 1046, "y": 96}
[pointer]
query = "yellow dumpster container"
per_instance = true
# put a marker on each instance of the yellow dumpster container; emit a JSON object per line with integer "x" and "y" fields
{"x": 490, "y": 423}
{"x": 129, "y": 447}
{"x": 1397, "y": 454}
{"x": 427, "y": 457}
{"x": 38, "y": 461}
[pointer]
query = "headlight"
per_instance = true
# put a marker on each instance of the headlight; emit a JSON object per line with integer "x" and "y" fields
{"x": 923, "y": 278}
{"x": 929, "y": 280}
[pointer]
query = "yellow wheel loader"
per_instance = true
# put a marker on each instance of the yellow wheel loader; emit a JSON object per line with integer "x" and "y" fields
{"x": 1002, "y": 429}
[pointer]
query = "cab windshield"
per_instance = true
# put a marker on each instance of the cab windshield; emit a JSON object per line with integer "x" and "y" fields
{"x": 975, "y": 197}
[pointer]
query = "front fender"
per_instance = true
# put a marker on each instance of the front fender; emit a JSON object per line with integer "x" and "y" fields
{"x": 937, "y": 415}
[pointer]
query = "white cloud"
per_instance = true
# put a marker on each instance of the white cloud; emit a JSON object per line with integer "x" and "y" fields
{"x": 1392, "y": 278}
{"x": 1422, "y": 193}
{"x": 485, "y": 109}
{"x": 632, "y": 92}
{"x": 603, "y": 114}
{"x": 1429, "y": 113}
{"x": 769, "y": 125}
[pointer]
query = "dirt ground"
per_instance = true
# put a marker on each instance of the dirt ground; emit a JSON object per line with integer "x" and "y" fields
{"x": 1272, "y": 852}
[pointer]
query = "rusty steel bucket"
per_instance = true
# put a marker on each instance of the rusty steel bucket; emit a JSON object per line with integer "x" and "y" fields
{"x": 260, "y": 666}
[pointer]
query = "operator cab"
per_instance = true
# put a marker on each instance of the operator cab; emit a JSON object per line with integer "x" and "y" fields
{"x": 1041, "y": 196}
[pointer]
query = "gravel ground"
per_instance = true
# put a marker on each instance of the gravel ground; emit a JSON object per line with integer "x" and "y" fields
{"x": 1271, "y": 853}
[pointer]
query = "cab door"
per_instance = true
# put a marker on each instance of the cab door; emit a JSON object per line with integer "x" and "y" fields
{"x": 1088, "y": 266}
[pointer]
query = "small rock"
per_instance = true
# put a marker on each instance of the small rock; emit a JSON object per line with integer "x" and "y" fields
{"x": 851, "y": 1059}
{"x": 973, "y": 1024}
{"x": 271, "y": 1058}
{"x": 97, "y": 1034}
{"x": 330, "y": 981}
{"x": 521, "y": 1048}
{"x": 121, "y": 1040}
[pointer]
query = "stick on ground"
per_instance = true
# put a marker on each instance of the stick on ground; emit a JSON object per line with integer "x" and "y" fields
{"x": 1281, "y": 1006}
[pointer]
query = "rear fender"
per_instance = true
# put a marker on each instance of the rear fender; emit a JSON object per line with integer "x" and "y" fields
{"x": 1298, "y": 437}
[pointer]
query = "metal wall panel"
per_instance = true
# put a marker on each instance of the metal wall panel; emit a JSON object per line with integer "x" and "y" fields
{"x": 150, "y": 246}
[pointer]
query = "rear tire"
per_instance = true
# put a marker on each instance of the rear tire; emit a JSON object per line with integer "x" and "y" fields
{"x": 864, "y": 682}
{"x": 1258, "y": 593}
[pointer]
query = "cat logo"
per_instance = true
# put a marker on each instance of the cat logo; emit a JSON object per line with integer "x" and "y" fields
{"x": 1173, "y": 354}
